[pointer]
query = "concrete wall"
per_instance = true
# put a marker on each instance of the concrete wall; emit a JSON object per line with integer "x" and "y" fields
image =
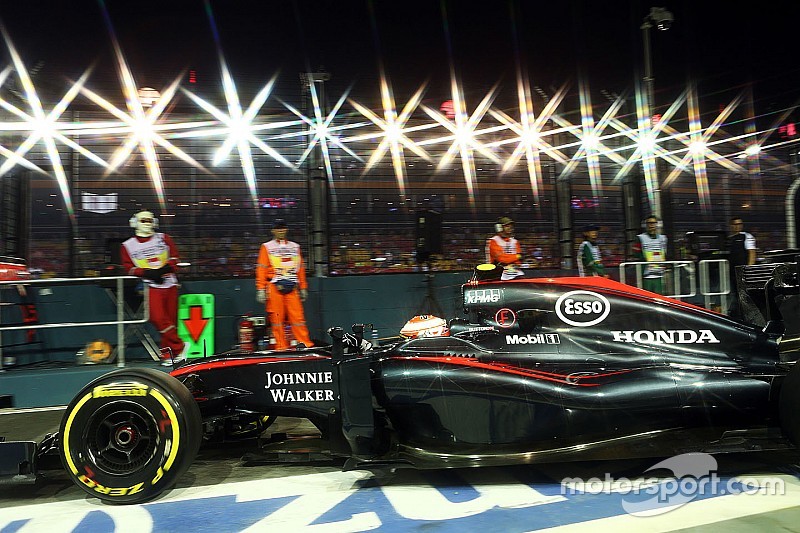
{"x": 386, "y": 301}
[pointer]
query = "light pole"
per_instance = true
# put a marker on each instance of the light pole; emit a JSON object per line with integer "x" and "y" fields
{"x": 662, "y": 18}
{"x": 314, "y": 82}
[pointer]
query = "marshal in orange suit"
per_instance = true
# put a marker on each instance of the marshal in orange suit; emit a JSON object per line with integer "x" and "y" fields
{"x": 281, "y": 285}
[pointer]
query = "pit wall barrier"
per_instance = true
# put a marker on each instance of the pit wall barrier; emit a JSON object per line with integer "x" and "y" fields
{"x": 386, "y": 301}
{"x": 66, "y": 307}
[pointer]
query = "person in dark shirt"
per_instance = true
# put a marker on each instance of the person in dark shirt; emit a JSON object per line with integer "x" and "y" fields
{"x": 741, "y": 251}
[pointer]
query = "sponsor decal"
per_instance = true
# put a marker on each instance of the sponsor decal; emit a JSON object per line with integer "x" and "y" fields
{"x": 534, "y": 338}
{"x": 505, "y": 318}
{"x": 109, "y": 391}
{"x": 582, "y": 308}
{"x": 478, "y": 329}
{"x": 670, "y": 336}
{"x": 111, "y": 491}
{"x": 483, "y": 296}
{"x": 276, "y": 382}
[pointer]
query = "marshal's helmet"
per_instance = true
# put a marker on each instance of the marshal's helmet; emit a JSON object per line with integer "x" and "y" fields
{"x": 144, "y": 223}
{"x": 425, "y": 326}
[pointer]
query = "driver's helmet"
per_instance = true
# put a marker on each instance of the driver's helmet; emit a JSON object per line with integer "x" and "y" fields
{"x": 425, "y": 326}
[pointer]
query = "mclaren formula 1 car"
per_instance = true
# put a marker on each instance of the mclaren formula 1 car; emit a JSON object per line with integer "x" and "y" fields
{"x": 538, "y": 370}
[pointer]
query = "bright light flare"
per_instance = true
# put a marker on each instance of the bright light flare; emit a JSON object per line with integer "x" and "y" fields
{"x": 646, "y": 144}
{"x": 530, "y": 133}
{"x": 645, "y": 138}
{"x": 241, "y": 129}
{"x": 464, "y": 134}
{"x": 239, "y": 126}
{"x": 697, "y": 147}
{"x": 591, "y": 142}
{"x": 394, "y": 136}
{"x": 321, "y": 132}
{"x": 648, "y": 160}
{"x": 753, "y": 150}
{"x": 591, "y": 136}
{"x": 43, "y": 127}
{"x": 143, "y": 133}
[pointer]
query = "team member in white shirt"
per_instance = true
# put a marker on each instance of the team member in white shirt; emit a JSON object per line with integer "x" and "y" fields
{"x": 651, "y": 246}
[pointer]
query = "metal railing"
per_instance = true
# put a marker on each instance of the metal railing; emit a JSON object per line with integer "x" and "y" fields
{"x": 119, "y": 300}
{"x": 673, "y": 273}
{"x": 712, "y": 274}
{"x": 707, "y": 288}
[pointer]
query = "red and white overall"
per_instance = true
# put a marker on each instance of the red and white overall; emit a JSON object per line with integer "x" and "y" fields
{"x": 141, "y": 253}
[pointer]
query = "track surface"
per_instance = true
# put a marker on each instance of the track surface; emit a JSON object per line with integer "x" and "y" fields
{"x": 220, "y": 493}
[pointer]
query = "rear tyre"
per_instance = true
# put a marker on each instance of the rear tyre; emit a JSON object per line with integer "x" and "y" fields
{"x": 130, "y": 434}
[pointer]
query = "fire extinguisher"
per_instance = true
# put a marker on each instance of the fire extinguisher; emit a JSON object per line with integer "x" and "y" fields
{"x": 246, "y": 334}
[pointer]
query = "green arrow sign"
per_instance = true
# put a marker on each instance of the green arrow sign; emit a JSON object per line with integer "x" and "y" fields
{"x": 196, "y": 323}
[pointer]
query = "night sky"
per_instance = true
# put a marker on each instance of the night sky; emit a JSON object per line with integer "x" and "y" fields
{"x": 714, "y": 42}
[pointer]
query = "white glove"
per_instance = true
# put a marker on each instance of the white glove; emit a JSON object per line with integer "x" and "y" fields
{"x": 303, "y": 294}
{"x": 261, "y": 296}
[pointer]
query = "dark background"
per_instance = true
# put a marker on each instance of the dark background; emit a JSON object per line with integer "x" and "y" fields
{"x": 721, "y": 45}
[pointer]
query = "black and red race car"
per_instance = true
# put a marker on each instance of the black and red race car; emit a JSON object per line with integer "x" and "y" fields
{"x": 539, "y": 370}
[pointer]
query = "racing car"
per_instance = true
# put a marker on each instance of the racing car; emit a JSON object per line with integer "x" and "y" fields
{"x": 536, "y": 370}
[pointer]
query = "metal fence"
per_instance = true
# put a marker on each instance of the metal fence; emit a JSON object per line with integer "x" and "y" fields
{"x": 118, "y": 297}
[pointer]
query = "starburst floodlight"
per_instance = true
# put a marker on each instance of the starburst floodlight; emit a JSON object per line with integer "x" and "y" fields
{"x": 591, "y": 141}
{"x": 394, "y": 131}
{"x": 753, "y": 149}
{"x": 463, "y": 134}
{"x": 646, "y": 144}
{"x": 43, "y": 127}
{"x": 697, "y": 147}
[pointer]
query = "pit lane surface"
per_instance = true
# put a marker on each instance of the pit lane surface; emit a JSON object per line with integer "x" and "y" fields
{"x": 220, "y": 493}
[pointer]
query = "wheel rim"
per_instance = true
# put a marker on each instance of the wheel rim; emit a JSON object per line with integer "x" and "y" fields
{"x": 121, "y": 438}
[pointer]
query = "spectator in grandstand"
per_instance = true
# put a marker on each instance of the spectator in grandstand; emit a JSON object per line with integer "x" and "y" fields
{"x": 589, "y": 259}
{"x": 281, "y": 285}
{"x": 741, "y": 251}
{"x": 504, "y": 250}
{"x": 154, "y": 257}
{"x": 651, "y": 246}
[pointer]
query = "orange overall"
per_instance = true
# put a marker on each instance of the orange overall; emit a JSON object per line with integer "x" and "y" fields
{"x": 280, "y": 265}
{"x": 502, "y": 251}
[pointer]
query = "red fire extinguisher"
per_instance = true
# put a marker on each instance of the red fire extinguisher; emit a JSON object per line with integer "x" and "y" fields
{"x": 246, "y": 334}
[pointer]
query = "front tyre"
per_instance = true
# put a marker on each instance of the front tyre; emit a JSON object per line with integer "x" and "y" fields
{"x": 129, "y": 435}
